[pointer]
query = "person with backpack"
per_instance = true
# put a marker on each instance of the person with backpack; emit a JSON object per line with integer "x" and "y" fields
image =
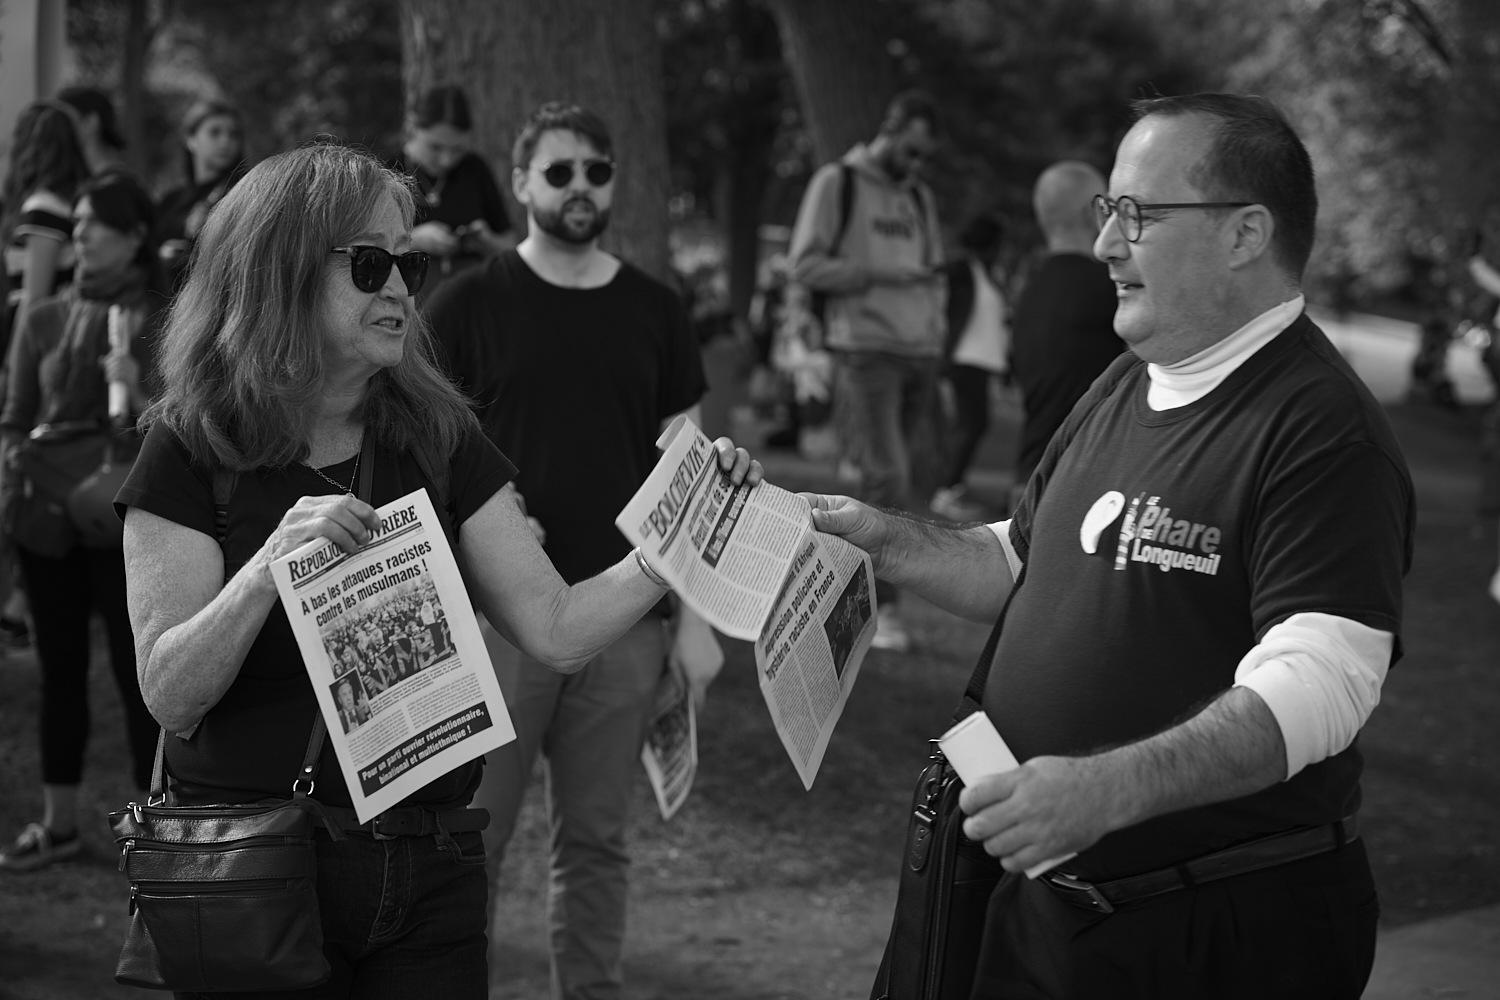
{"x": 867, "y": 242}
{"x": 307, "y": 382}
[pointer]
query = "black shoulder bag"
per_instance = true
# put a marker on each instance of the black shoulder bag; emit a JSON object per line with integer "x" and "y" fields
{"x": 946, "y": 878}
{"x": 223, "y": 898}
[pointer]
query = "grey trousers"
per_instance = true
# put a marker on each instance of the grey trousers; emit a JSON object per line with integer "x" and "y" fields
{"x": 589, "y": 726}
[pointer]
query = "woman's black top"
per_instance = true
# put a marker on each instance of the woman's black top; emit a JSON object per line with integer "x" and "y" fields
{"x": 250, "y": 745}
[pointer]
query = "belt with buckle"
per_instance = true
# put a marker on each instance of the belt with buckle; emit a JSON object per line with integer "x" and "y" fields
{"x": 410, "y": 821}
{"x": 1267, "y": 852}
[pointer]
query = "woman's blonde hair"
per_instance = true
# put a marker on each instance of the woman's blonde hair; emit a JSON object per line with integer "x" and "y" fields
{"x": 241, "y": 358}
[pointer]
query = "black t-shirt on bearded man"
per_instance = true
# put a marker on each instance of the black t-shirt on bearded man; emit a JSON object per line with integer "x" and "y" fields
{"x": 250, "y": 745}
{"x": 1281, "y": 491}
{"x": 573, "y": 384}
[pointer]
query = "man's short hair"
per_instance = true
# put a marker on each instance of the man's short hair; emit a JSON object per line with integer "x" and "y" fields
{"x": 909, "y": 106}
{"x": 557, "y": 116}
{"x": 1253, "y": 155}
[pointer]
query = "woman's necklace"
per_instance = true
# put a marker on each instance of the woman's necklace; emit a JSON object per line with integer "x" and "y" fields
{"x": 353, "y": 478}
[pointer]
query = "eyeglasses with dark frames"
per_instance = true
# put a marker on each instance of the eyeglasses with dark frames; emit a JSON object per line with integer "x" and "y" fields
{"x": 559, "y": 173}
{"x": 369, "y": 267}
{"x": 1129, "y": 211}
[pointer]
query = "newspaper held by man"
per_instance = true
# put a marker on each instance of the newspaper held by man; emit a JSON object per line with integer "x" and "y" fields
{"x": 748, "y": 560}
{"x": 809, "y": 653}
{"x": 395, "y": 655}
{"x": 670, "y": 750}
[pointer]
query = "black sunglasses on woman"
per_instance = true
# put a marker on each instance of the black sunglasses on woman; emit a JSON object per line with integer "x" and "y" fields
{"x": 369, "y": 267}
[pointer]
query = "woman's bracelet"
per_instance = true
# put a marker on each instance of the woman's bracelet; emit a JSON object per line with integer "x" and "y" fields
{"x": 651, "y": 574}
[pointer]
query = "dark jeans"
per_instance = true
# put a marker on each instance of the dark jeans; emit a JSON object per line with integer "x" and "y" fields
{"x": 1302, "y": 931}
{"x": 63, "y": 592}
{"x": 401, "y": 918}
{"x": 971, "y": 404}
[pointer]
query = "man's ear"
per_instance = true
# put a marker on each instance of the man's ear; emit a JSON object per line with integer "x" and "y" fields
{"x": 518, "y": 184}
{"x": 1254, "y": 228}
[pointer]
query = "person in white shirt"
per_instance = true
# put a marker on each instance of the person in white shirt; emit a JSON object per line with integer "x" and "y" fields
{"x": 978, "y": 350}
{"x": 1201, "y": 596}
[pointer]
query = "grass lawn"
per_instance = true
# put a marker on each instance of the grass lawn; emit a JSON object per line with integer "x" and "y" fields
{"x": 760, "y": 890}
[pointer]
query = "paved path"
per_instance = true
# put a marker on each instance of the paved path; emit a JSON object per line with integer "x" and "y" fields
{"x": 1453, "y": 956}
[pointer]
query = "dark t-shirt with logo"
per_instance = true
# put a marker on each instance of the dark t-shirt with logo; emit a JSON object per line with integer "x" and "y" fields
{"x": 1160, "y": 547}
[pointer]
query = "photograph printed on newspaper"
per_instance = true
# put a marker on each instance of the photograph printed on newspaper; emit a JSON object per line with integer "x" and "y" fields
{"x": 809, "y": 654}
{"x": 395, "y": 655}
{"x": 748, "y": 560}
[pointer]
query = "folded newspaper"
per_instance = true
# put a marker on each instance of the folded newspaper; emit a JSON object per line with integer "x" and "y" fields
{"x": 748, "y": 560}
{"x": 670, "y": 750}
{"x": 395, "y": 655}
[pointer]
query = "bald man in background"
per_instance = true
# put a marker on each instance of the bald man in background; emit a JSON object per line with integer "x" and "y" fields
{"x": 1063, "y": 333}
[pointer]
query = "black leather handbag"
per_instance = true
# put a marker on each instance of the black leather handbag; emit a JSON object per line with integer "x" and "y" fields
{"x": 946, "y": 878}
{"x": 223, "y": 897}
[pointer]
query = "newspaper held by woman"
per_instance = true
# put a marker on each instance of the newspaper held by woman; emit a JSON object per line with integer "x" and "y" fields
{"x": 389, "y": 639}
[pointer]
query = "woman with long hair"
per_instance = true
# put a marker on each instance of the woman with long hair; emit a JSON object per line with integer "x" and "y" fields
{"x": 36, "y": 230}
{"x": 295, "y": 363}
{"x": 62, "y": 365}
{"x": 213, "y": 147}
{"x": 460, "y": 214}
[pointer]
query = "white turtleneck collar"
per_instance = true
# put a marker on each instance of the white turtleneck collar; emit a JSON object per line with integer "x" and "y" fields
{"x": 1195, "y": 377}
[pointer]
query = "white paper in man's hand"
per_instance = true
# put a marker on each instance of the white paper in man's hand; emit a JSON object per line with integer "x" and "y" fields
{"x": 976, "y": 751}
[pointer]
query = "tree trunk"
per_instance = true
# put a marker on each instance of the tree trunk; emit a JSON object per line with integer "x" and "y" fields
{"x": 1473, "y": 125}
{"x": 836, "y": 50}
{"x": 512, "y": 55}
{"x": 138, "y": 34}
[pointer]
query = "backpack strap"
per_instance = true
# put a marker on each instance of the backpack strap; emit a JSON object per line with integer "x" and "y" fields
{"x": 846, "y": 206}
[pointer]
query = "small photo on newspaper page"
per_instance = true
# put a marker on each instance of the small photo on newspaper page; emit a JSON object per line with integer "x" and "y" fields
{"x": 395, "y": 655}
{"x": 809, "y": 655}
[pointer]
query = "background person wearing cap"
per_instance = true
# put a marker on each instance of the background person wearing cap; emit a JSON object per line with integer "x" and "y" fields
{"x": 97, "y": 132}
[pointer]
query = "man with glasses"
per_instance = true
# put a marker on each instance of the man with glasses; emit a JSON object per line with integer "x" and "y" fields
{"x": 867, "y": 238}
{"x": 576, "y": 359}
{"x": 1205, "y": 593}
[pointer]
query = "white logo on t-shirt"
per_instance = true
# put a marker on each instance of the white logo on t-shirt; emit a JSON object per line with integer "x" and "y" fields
{"x": 1100, "y": 516}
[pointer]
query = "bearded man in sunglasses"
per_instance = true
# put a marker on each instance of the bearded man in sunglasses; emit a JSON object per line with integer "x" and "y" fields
{"x": 1205, "y": 597}
{"x": 569, "y": 349}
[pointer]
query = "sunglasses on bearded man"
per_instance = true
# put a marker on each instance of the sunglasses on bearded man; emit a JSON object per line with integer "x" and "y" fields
{"x": 559, "y": 173}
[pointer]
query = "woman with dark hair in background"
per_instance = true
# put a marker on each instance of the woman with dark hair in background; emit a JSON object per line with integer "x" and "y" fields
{"x": 61, "y": 367}
{"x": 460, "y": 214}
{"x": 36, "y": 230}
{"x": 213, "y": 146}
{"x": 46, "y": 167}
